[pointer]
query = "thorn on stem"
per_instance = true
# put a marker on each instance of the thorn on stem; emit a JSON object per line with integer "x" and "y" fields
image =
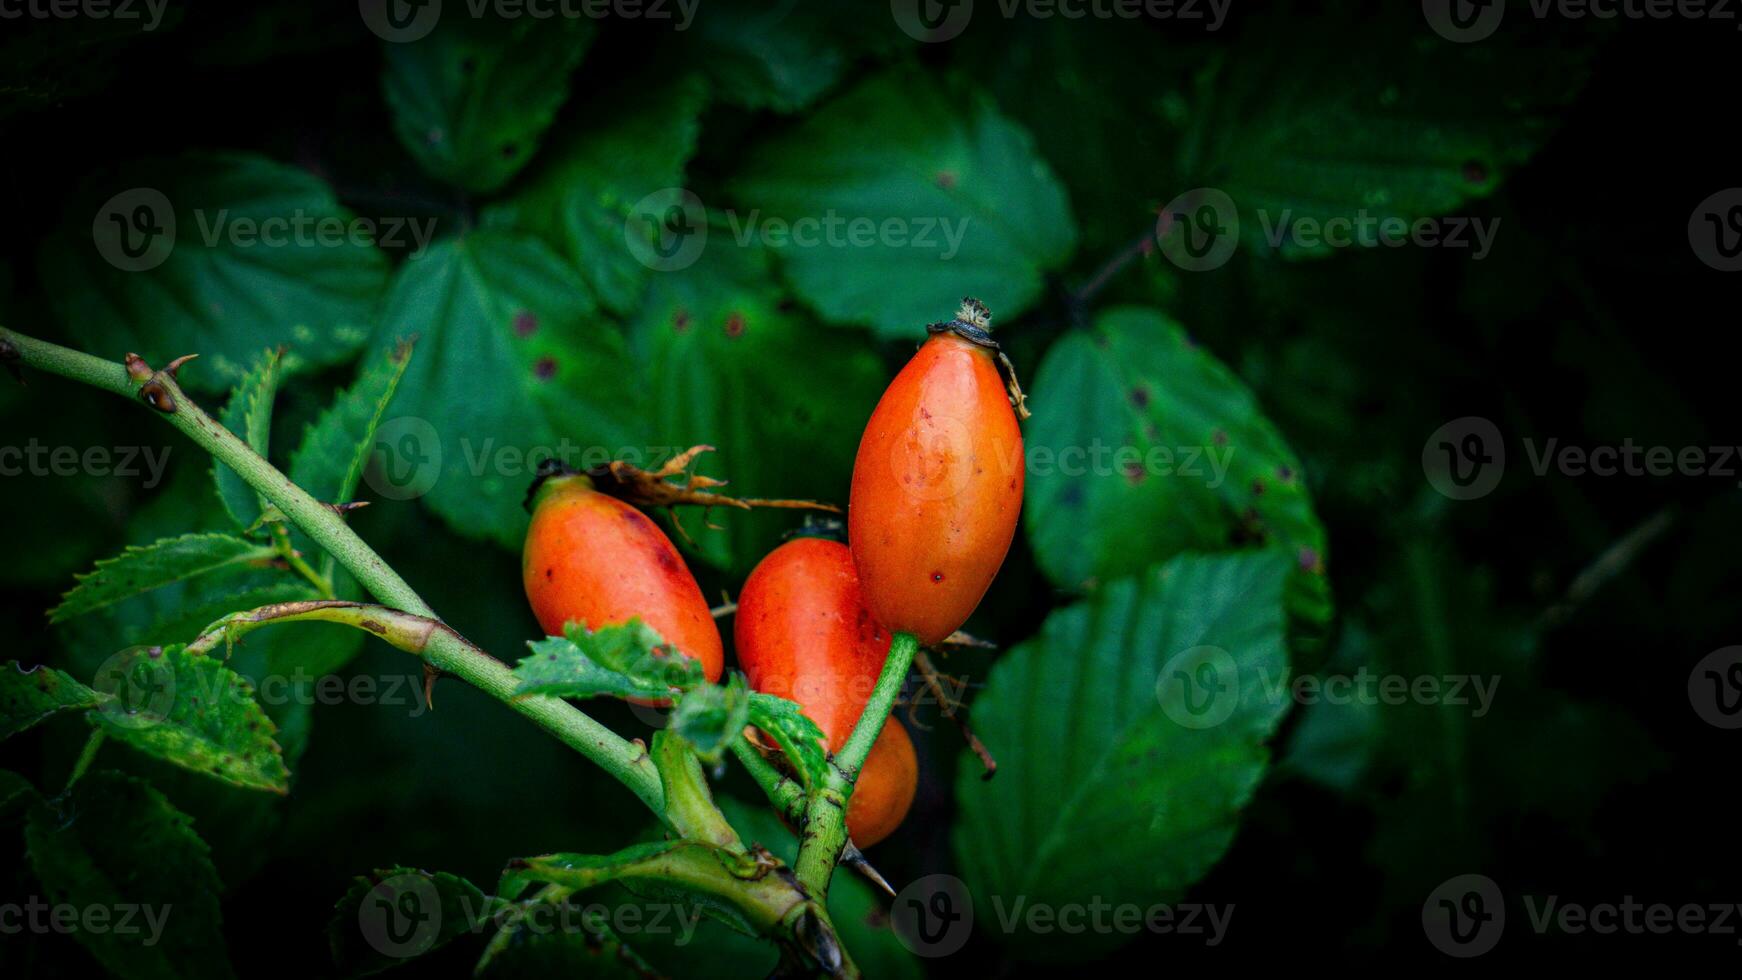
{"x": 156, "y": 394}
{"x": 429, "y": 678}
{"x": 137, "y": 369}
{"x": 176, "y": 364}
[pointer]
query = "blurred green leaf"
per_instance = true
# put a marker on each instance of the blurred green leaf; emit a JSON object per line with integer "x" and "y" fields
{"x": 729, "y": 363}
{"x": 580, "y": 194}
{"x": 1336, "y": 117}
{"x": 30, "y": 696}
{"x": 115, "y": 842}
{"x": 253, "y": 261}
{"x": 630, "y": 660}
{"x": 970, "y": 208}
{"x": 141, "y": 569}
{"x": 516, "y": 357}
{"x": 1143, "y": 446}
{"x": 472, "y": 100}
{"x": 1130, "y": 733}
{"x": 192, "y": 711}
{"x": 16, "y": 796}
{"x": 783, "y": 56}
{"x": 407, "y": 911}
{"x": 248, "y": 414}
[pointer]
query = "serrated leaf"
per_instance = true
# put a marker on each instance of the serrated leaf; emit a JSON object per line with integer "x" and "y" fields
{"x": 1144, "y": 446}
{"x": 31, "y": 696}
{"x": 727, "y": 362}
{"x": 982, "y": 213}
{"x": 336, "y": 447}
{"x": 116, "y": 842}
{"x": 248, "y": 414}
{"x": 192, "y": 711}
{"x": 798, "y": 736}
{"x": 635, "y": 141}
{"x": 395, "y": 914}
{"x": 473, "y": 98}
{"x": 630, "y": 660}
{"x": 1291, "y": 128}
{"x": 518, "y": 363}
{"x": 224, "y": 288}
{"x": 140, "y": 569}
{"x": 710, "y": 716}
{"x": 1119, "y": 781}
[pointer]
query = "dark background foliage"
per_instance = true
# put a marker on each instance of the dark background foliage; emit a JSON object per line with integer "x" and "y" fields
{"x": 1591, "y": 322}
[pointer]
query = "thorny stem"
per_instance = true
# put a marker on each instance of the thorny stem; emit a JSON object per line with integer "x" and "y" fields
{"x": 445, "y": 650}
{"x": 788, "y": 798}
{"x": 825, "y": 827}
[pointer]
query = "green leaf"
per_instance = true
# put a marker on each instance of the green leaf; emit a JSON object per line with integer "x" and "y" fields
{"x": 631, "y": 660}
{"x": 114, "y": 842}
{"x": 472, "y": 99}
{"x": 1119, "y": 781}
{"x": 782, "y": 56}
{"x": 1290, "y": 127}
{"x": 30, "y": 696}
{"x": 710, "y": 716}
{"x": 247, "y": 266}
{"x": 192, "y": 711}
{"x": 336, "y": 447}
{"x": 248, "y": 414}
{"x": 676, "y": 871}
{"x": 792, "y": 730}
{"x": 727, "y": 362}
{"x": 16, "y": 796}
{"x": 584, "y": 187}
{"x": 979, "y": 212}
{"x": 384, "y": 920}
{"x": 1143, "y": 446}
{"x": 517, "y": 360}
{"x": 140, "y": 569}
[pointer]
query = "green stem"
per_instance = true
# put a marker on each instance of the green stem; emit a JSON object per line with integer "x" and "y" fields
{"x": 86, "y": 757}
{"x": 783, "y": 791}
{"x": 825, "y": 827}
{"x": 689, "y": 804}
{"x": 446, "y": 650}
{"x": 288, "y": 552}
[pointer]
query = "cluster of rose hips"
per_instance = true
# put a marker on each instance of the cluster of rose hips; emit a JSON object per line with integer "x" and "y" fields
{"x": 936, "y": 493}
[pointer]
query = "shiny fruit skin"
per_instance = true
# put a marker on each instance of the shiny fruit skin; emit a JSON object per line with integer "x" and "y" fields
{"x": 937, "y": 489}
{"x": 884, "y": 791}
{"x": 803, "y": 633}
{"x": 592, "y": 558}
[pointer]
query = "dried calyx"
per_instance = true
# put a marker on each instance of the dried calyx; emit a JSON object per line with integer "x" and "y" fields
{"x": 973, "y": 323}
